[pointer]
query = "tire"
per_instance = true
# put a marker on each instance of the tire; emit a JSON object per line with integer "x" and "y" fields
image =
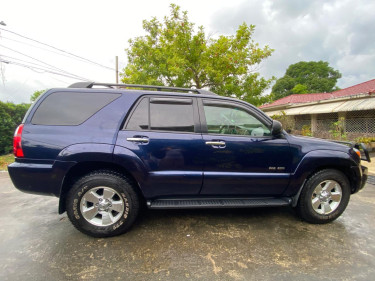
{"x": 102, "y": 204}
{"x": 324, "y": 197}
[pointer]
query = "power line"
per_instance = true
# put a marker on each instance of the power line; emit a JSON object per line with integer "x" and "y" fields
{"x": 28, "y": 62}
{"x": 82, "y": 58}
{"x": 81, "y": 78}
{"x": 43, "y": 70}
{"x": 44, "y": 49}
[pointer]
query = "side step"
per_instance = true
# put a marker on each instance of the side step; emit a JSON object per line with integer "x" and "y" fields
{"x": 205, "y": 203}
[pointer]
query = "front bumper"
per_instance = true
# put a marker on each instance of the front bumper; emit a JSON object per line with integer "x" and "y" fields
{"x": 358, "y": 178}
{"x": 364, "y": 177}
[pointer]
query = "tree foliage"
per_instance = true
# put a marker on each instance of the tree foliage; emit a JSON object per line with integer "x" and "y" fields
{"x": 306, "y": 77}
{"x": 36, "y": 95}
{"x": 174, "y": 53}
{"x": 11, "y": 116}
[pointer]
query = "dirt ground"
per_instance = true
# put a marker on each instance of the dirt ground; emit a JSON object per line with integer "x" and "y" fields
{"x": 251, "y": 244}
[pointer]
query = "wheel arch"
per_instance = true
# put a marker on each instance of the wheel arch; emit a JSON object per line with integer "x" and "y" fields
{"x": 344, "y": 170}
{"x": 318, "y": 160}
{"x": 83, "y": 168}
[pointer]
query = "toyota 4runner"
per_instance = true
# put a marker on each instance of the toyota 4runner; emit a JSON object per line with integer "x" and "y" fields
{"x": 107, "y": 151}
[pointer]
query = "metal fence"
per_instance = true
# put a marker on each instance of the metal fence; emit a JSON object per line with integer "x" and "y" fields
{"x": 355, "y": 124}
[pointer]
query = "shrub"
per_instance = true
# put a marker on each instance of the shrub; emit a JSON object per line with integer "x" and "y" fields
{"x": 11, "y": 116}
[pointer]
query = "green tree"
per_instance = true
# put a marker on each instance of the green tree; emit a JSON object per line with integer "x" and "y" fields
{"x": 36, "y": 95}
{"x": 174, "y": 53}
{"x": 306, "y": 77}
{"x": 6, "y": 134}
{"x": 11, "y": 116}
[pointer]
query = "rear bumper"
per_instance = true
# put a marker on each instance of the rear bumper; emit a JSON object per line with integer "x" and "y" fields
{"x": 44, "y": 179}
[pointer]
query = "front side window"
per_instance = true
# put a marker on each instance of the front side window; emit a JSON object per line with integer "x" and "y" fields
{"x": 163, "y": 114}
{"x": 230, "y": 120}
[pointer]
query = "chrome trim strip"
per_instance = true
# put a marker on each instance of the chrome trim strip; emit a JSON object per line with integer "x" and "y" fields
{"x": 244, "y": 174}
{"x": 218, "y": 174}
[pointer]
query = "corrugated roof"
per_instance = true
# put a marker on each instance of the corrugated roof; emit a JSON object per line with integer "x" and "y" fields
{"x": 328, "y": 107}
{"x": 365, "y": 87}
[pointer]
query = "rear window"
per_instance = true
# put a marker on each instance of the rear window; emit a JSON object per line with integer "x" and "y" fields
{"x": 69, "y": 108}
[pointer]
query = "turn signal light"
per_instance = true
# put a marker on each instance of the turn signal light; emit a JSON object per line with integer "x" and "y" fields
{"x": 358, "y": 152}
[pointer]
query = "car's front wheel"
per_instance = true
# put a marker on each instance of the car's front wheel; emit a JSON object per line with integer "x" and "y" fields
{"x": 324, "y": 197}
{"x": 102, "y": 204}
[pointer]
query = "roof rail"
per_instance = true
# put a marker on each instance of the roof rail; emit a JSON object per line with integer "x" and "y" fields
{"x": 158, "y": 88}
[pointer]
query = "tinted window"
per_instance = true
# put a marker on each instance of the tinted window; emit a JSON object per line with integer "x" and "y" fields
{"x": 70, "y": 108}
{"x": 172, "y": 117}
{"x": 139, "y": 119}
{"x": 233, "y": 121}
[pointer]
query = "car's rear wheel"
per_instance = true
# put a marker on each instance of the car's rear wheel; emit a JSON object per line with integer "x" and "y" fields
{"x": 324, "y": 197}
{"x": 102, "y": 204}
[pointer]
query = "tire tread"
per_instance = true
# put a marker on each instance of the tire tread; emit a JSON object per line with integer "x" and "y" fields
{"x": 98, "y": 233}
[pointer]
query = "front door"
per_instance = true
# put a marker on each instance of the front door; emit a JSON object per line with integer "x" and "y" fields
{"x": 241, "y": 156}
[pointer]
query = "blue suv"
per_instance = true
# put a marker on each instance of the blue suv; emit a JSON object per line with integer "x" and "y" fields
{"x": 106, "y": 150}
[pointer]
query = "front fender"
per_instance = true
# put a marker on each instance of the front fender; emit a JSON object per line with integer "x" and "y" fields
{"x": 315, "y": 160}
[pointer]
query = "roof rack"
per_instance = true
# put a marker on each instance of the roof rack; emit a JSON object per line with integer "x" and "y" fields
{"x": 158, "y": 88}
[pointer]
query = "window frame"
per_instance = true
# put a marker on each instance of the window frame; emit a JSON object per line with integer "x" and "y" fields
{"x": 164, "y": 99}
{"x": 230, "y": 104}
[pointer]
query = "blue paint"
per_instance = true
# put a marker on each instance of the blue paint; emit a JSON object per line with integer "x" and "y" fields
{"x": 171, "y": 163}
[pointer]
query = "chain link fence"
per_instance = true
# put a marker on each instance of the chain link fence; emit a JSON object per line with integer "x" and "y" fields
{"x": 354, "y": 124}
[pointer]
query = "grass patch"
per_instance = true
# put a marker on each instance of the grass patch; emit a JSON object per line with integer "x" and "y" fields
{"x": 5, "y": 160}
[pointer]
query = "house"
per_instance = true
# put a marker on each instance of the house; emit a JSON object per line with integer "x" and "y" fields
{"x": 353, "y": 106}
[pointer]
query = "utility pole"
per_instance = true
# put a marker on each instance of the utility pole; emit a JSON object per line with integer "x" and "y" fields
{"x": 1, "y": 65}
{"x": 116, "y": 69}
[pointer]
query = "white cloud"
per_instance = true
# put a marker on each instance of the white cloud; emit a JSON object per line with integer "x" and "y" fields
{"x": 335, "y": 31}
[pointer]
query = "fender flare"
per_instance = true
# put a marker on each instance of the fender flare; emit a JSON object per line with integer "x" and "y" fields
{"x": 312, "y": 162}
{"x": 100, "y": 153}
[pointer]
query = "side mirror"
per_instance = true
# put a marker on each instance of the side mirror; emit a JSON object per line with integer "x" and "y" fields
{"x": 276, "y": 129}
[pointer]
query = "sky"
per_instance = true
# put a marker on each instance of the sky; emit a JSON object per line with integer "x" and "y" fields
{"x": 338, "y": 31}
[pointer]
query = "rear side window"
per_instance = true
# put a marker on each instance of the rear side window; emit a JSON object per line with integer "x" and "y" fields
{"x": 70, "y": 108}
{"x": 172, "y": 117}
{"x": 163, "y": 114}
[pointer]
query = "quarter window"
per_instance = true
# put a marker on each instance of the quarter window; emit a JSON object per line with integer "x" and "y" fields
{"x": 233, "y": 121}
{"x": 70, "y": 108}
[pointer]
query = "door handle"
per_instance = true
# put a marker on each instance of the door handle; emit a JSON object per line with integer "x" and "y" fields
{"x": 144, "y": 140}
{"x": 216, "y": 144}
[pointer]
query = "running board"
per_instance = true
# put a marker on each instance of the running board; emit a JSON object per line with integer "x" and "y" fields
{"x": 205, "y": 203}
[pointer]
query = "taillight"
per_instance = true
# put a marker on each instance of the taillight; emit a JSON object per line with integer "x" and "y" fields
{"x": 17, "y": 148}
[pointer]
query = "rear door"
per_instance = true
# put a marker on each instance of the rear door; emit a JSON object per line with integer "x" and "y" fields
{"x": 241, "y": 156}
{"x": 164, "y": 133}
